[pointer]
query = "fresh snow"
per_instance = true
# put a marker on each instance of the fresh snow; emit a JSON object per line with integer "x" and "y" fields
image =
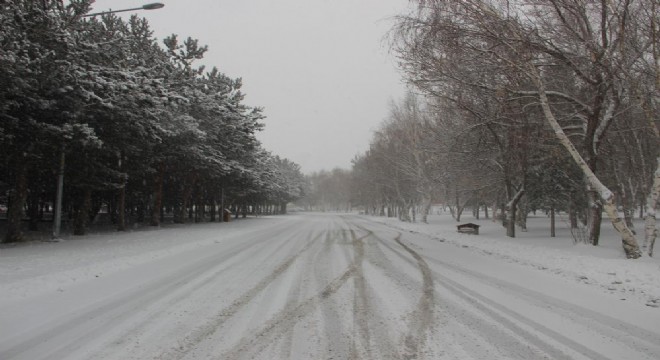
{"x": 328, "y": 286}
{"x": 604, "y": 266}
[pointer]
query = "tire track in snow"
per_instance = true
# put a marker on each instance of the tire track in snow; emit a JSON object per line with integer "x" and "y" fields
{"x": 556, "y": 344}
{"x": 282, "y": 322}
{"x": 93, "y": 321}
{"x": 493, "y": 309}
{"x": 423, "y": 314}
{"x": 207, "y": 329}
{"x": 501, "y": 340}
{"x": 310, "y": 262}
{"x": 172, "y": 301}
{"x": 382, "y": 345}
{"x": 331, "y": 319}
{"x": 285, "y": 319}
{"x": 606, "y": 325}
{"x": 330, "y": 309}
{"x": 360, "y": 303}
{"x": 446, "y": 311}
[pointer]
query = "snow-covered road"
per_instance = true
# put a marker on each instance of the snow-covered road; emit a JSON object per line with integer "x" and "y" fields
{"x": 301, "y": 287}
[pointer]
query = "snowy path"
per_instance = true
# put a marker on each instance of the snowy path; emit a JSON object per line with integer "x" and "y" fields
{"x": 301, "y": 287}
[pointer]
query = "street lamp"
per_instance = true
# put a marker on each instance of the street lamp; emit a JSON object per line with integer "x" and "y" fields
{"x": 57, "y": 210}
{"x": 152, "y": 6}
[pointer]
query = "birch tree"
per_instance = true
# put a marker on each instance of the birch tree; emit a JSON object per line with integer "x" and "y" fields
{"x": 410, "y": 120}
{"x": 648, "y": 93}
{"x": 587, "y": 39}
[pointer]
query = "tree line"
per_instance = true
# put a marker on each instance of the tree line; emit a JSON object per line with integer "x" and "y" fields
{"x": 518, "y": 106}
{"x": 327, "y": 191}
{"x": 129, "y": 125}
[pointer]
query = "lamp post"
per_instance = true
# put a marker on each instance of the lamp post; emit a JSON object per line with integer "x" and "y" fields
{"x": 57, "y": 216}
{"x": 152, "y": 6}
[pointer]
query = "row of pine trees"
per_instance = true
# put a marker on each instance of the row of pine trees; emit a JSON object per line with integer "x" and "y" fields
{"x": 132, "y": 127}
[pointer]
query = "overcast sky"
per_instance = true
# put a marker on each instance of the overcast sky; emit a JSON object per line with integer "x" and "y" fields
{"x": 320, "y": 68}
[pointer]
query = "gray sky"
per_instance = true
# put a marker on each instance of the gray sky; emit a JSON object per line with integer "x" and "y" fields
{"x": 320, "y": 68}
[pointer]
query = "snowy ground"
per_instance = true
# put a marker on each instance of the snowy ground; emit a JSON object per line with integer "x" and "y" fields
{"x": 314, "y": 286}
{"x": 604, "y": 266}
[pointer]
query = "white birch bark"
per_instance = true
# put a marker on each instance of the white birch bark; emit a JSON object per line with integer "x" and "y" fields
{"x": 651, "y": 231}
{"x": 630, "y": 245}
{"x": 426, "y": 207}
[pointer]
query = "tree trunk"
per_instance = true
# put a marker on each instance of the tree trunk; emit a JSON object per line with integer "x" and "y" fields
{"x": 121, "y": 206}
{"x": 511, "y": 207}
{"x": 413, "y": 210}
{"x": 33, "y": 209}
{"x": 82, "y": 213}
{"x": 572, "y": 214}
{"x": 426, "y": 208}
{"x": 495, "y": 211}
{"x": 628, "y": 207}
{"x": 630, "y": 246}
{"x": 59, "y": 195}
{"x": 521, "y": 216}
{"x": 511, "y": 222}
{"x": 222, "y": 205}
{"x": 158, "y": 196}
{"x": 457, "y": 214}
{"x": 214, "y": 205}
{"x": 650, "y": 229}
{"x": 94, "y": 210}
{"x": 595, "y": 218}
{"x": 200, "y": 208}
{"x": 552, "y": 220}
{"x": 503, "y": 214}
{"x": 141, "y": 209}
{"x": 17, "y": 198}
{"x": 186, "y": 194}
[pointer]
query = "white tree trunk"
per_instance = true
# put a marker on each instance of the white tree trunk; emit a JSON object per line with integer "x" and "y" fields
{"x": 651, "y": 231}
{"x": 426, "y": 207}
{"x": 628, "y": 240}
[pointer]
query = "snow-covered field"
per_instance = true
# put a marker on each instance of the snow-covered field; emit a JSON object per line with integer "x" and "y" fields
{"x": 325, "y": 286}
{"x": 604, "y": 266}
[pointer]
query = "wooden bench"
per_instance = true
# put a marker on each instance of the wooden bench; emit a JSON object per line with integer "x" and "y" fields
{"x": 468, "y": 228}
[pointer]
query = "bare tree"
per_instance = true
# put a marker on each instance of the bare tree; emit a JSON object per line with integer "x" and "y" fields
{"x": 570, "y": 55}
